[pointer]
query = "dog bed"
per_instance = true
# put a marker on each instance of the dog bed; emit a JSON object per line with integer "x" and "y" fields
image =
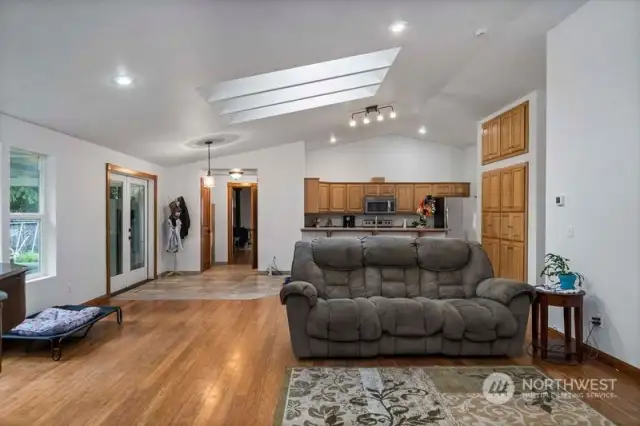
{"x": 59, "y": 323}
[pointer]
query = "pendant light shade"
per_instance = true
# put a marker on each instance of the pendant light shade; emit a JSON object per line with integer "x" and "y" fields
{"x": 236, "y": 174}
{"x": 208, "y": 181}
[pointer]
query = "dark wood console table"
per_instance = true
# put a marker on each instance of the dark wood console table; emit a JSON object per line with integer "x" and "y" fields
{"x": 540, "y": 322}
{"x": 14, "y": 308}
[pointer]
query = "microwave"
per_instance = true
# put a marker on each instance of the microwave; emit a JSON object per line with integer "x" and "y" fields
{"x": 379, "y": 205}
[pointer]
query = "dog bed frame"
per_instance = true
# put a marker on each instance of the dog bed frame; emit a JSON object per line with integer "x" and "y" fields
{"x": 57, "y": 339}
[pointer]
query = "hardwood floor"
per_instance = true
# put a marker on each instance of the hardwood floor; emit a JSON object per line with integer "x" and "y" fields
{"x": 202, "y": 362}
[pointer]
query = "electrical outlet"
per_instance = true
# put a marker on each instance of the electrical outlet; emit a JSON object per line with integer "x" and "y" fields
{"x": 596, "y": 320}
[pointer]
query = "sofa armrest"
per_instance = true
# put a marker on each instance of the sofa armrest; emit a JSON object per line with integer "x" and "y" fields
{"x": 503, "y": 290}
{"x": 302, "y": 288}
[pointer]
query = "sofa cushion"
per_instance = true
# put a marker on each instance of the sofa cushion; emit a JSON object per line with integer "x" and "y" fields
{"x": 484, "y": 320}
{"x": 389, "y": 251}
{"x": 393, "y": 281}
{"x": 442, "y": 254}
{"x": 409, "y": 317}
{"x": 344, "y": 320}
{"x": 342, "y": 254}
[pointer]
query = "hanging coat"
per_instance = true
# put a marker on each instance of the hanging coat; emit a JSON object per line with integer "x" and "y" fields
{"x": 184, "y": 218}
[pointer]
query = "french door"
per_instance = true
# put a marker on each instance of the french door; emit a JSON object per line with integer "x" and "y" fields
{"x": 128, "y": 230}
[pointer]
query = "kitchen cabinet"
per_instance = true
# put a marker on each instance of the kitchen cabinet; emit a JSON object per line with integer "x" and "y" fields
{"x": 506, "y": 135}
{"x": 491, "y": 225}
{"x": 355, "y": 198}
{"x": 512, "y": 260}
{"x": 323, "y": 197}
{"x": 513, "y": 188}
{"x": 460, "y": 189}
{"x": 442, "y": 189}
{"x": 491, "y": 246}
{"x": 404, "y": 198}
{"x": 386, "y": 189}
{"x": 421, "y": 190}
{"x": 504, "y": 220}
{"x": 337, "y": 197}
{"x": 370, "y": 189}
{"x": 512, "y": 226}
{"x": 311, "y": 194}
{"x": 491, "y": 191}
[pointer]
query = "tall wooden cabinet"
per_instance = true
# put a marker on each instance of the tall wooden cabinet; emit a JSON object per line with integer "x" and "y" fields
{"x": 506, "y": 135}
{"x": 504, "y": 220}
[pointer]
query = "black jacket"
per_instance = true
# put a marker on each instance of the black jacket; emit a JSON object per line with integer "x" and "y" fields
{"x": 184, "y": 218}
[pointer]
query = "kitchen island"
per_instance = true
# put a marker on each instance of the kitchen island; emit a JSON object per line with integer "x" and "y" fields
{"x": 310, "y": 233}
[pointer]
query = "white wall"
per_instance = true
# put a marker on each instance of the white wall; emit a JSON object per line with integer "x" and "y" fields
{"x": 593, "y": 152}
{"x": 397, "y": 158}
{"x": 75, "y": 186}
{"x": 469, "y": 207}
{"x": 536, "y": 159}
{"x": 280, "y": 203}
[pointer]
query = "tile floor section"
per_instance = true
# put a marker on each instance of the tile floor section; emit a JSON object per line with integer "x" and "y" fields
{"x": 222, "y": 282}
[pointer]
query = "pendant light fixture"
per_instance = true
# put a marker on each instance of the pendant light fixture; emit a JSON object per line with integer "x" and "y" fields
{"x": 376, "y": 110}
{"x": 208, "y": 181}
{"x": 236, "y": 174}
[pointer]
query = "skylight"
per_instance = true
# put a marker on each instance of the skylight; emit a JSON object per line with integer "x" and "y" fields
{"x": 301, "y": 88}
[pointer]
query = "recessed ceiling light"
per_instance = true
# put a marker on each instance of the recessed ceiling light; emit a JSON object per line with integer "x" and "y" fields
{"x": 398, "y": 27}
{"x": 480, "y": 32}
{"x": 333, "y": 139}
{"x": 123, "y": 80}
{"x": 422, "y": 130}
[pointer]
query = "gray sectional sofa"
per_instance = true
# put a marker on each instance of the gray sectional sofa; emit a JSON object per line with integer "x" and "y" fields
{"x": 365, "y": 297}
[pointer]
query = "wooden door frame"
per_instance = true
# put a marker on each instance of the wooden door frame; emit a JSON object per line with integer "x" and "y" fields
{"x": 253, "y": 186}
{"x": 211, "y": 213}
{"x": 112, "y": 168}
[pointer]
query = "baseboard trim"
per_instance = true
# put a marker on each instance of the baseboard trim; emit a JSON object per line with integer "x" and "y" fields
{"x": 281, "y": 273}
{"x": 131, "y": 287}
{"x": 164, "y": 274}
{"x": 605, "y": 358}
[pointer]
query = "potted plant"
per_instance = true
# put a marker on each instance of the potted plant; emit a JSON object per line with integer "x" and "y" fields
{"x": 426, "y": 211}
{"x": 558, "y": 267}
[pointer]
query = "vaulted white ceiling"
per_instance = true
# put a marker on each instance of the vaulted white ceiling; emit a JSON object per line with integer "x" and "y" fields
{"x": 58, "y": 59}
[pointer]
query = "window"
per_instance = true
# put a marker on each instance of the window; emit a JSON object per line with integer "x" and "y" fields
{"x": 27, "y": 210}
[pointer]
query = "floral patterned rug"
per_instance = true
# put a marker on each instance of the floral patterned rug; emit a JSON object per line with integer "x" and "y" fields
{"x": 418, "y": 396}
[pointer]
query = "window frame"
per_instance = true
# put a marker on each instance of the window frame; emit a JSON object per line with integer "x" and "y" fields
{"x": 41, "y": 216}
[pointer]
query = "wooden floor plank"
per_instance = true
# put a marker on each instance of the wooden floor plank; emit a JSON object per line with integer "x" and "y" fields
{"x": 203, "y": 362}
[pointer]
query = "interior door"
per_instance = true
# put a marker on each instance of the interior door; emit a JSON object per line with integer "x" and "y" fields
{"x": 254, "y": 226}
{"x": 205, "y": 227}
{"x": 128, "y": 230}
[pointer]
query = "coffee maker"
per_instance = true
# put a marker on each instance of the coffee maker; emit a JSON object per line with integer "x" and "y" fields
{"x": 348, "y": 221}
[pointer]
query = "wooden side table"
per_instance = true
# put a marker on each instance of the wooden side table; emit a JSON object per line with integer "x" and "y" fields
{"x": 540, "y": 322}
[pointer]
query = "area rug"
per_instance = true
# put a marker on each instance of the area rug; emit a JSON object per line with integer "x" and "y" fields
{"x": 417, "y": 396}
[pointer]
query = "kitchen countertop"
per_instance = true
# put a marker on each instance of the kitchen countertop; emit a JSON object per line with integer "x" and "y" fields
{"x": 372, "y": 229}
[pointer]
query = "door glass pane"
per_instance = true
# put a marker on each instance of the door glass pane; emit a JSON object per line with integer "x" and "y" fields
{"x": 115, "y": 227}
{"x": 137, "y": 235}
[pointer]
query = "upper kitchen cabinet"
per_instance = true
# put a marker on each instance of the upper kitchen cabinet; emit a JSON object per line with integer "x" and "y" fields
{"x": 460, "y": 189}
{"x": 311, "y": 195}
{"x": 386, "y": 189}
{"x": 506, "y": 135}
{"x": 323, "y": 197}
{"x": 370, "y": 189}
{"x": 337, "y": 197}
{"x": 355, "y": 198}
{"x": 421, "y": 190}
{"x": 404, "y": 198}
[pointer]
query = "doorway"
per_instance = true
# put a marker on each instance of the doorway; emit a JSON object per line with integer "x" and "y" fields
{"x": 207, "y": 229}
{"x": 131, "y": 228}
{"x": 242, "y": 215}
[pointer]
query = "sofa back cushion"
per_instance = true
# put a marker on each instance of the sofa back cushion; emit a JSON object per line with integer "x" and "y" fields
{"x": 436, "y": 268}
{"x": 333, "y": 265}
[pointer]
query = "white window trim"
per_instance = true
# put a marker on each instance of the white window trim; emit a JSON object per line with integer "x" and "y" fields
{"x": 41, "y": 215}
